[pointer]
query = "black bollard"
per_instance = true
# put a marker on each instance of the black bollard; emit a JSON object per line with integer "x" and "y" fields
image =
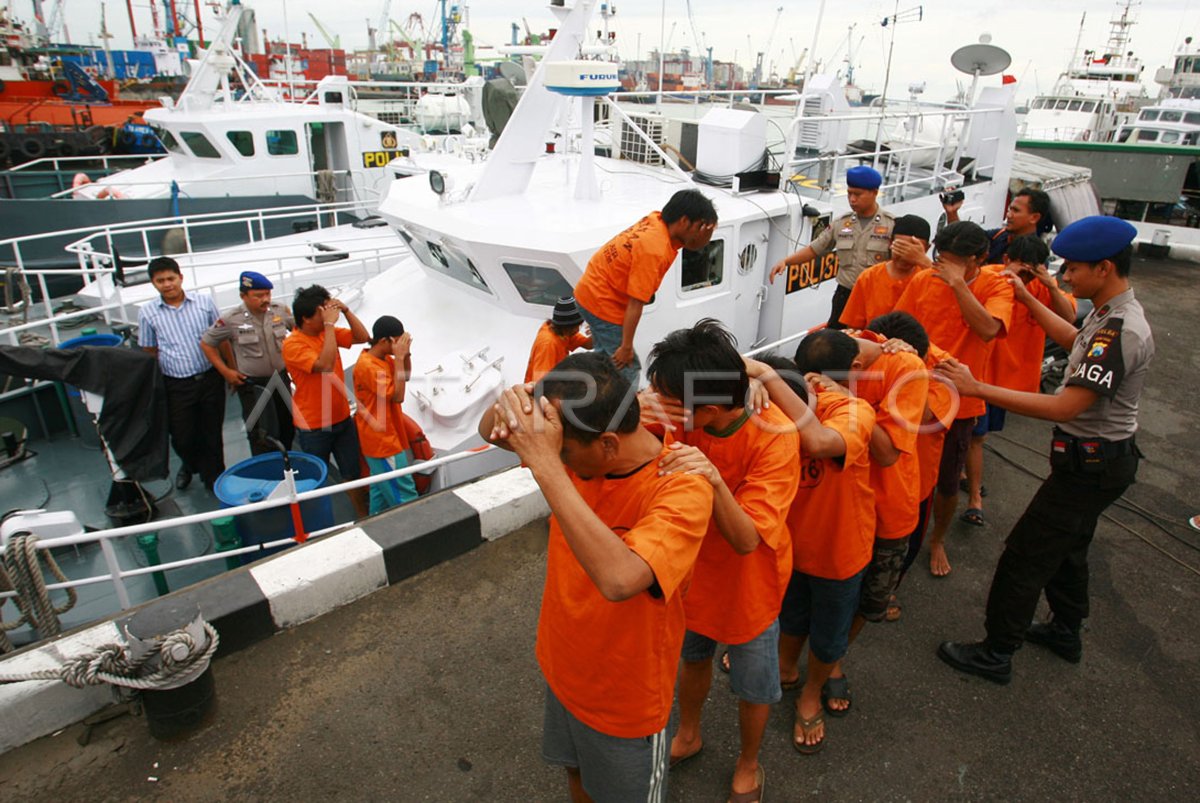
{"x": 172, "y": 710}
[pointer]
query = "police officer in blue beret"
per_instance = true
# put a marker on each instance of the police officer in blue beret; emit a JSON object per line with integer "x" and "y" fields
{"x": 862, "y": 238}
{"x": 255, "y": 330}
{"x": 1093, "y": 456}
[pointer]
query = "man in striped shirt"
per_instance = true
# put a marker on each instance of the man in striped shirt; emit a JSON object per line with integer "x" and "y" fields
{"x": 170, "y": 328}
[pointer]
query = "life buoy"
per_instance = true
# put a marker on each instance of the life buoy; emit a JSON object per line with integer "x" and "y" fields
{"x": 33, "y": 148}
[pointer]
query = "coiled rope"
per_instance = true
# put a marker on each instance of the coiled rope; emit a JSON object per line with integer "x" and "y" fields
{"x": 180, "y": 661}
{"x": 21, "y": 572}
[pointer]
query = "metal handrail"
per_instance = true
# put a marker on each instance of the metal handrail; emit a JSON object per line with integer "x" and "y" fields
{"x": 55, "y": 161}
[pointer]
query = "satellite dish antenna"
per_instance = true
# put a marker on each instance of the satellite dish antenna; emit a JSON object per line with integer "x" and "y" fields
{"x": 979, "y": 59}
{"x": 513, "y": 72}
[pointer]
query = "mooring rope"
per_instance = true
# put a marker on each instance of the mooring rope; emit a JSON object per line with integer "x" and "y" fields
{"x": 181, "y": 661}
{"x": 21, "y": 571}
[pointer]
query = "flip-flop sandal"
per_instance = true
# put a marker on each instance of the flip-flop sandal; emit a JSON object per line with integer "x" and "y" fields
{"x": 894, "y": 610}
{"x": 723, "y": 664}
{"x": 754, "y": 795}
{"x": 972, "y": 516}
{"x": 806, "y": 725}
{"x": 836, "y": 689}
{"x": 675, "y": 761}
{"x": 788, "y": 685}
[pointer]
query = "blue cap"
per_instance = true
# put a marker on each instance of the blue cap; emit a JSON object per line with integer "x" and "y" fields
{"x": 863, "y": 178}
{"x": 250, "y": 280}
{"x": 1093, "y": 238}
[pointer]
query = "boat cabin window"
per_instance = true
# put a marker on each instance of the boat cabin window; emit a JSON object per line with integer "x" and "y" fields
{"x": 200, "y": 145}
{"x": 167, "y": 139}
{"x": 1061, "y": 105}
{"x": 1171, "y": 117}
{"x": 1192, "y": 118}
{"x": 1089, "y": 106}
{"x": 703, "y": 268}
{"x": 1075, "y": 106}
{"x": 1147, "y": 135}
{"x": 282, "y": 143}
{"x": 1169, "y": 137}
{"x": 537, "y": 285}
{"x": 243, "y": 141}
{"x": 1123, "y": 135}
{"x": 1148, "y": 114}
{"x": 1190, "y": 138}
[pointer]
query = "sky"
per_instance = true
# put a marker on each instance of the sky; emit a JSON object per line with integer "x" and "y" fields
{"x": 1038, "y": 34}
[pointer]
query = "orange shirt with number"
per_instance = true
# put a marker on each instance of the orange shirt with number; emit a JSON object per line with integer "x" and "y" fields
{"x": 1017, "y": 359}
{"x": 319, "y": 399}
{"x": 549, "y": 349}
{"x": 832, "y": 518}
{"x": 733, "y": 597}
{"x": 932, "y": 302}
{"x": 613, "y": 664}
{"x": 897, "y": 387}
{"x": 378, "y": 419}
{"x": 630, "y": 265}
{"x": 875, "y": 293}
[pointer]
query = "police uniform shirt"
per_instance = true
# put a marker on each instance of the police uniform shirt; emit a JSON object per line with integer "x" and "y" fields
{"x": 257, "y": 340}
{"x": 860, "y": 242}
{"x": 1111, "y": 356}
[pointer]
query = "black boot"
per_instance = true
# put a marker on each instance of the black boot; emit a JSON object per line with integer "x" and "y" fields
{"x": 979, "y": 658}
{"x": 1059, "y": 637}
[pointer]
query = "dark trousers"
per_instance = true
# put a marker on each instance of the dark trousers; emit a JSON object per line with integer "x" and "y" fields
{"x": 267, "y": 411}
{"x": 840, "y": 296}
{"x": 195, "y": 416}
{"x": 1047, "y": 549}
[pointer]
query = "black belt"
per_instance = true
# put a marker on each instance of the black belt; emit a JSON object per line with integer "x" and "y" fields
{"x": 263, "y": 381}
{"x": 1121, "y": 448}
{"x": 192, "y": 378}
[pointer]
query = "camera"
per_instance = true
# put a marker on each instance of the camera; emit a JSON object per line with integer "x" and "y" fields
{"x": 952, "y": 197}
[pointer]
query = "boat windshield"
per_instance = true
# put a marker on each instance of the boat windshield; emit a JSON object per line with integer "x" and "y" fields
{"x": 167, "y": 139}
{"x": 536, "y": 284}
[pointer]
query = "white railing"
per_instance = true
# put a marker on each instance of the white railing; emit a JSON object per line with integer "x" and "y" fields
{"x": 121, "y": 161}
{"x": 117, "y": 575}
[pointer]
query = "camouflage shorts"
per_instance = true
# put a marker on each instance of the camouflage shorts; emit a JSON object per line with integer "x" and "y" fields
{"x": 882, "y": 577}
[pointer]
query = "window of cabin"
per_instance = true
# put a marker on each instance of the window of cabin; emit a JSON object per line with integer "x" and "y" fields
{"x": 1169, "y": 137}
{"x": 1149, "y": 115}
{"x": 703, "y": 268}
{"x": 1075, "y": 106}
{"x": 537, "y": 285}
{"x": 1192, "y": 118}
{"x": 282, "y": 143}
{"x": 243, "y": 141}
{"x": 167, "y": 139}
{"x": 200, "y": 145}
{"x": 1147, "y": 135}
{"x": 1089, "y": 106}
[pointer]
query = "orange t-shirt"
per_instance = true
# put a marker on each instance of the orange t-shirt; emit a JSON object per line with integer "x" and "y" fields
{"x": 897, "y": 387}
{"x": 733, "y": 597}
{"x": 832, "y": 518}
{"x": 931, "y": 301}
{"x": 941, "y": 413}
{"x": 875, "y": 293}
{"x": 613, "y": 664}
{"x": 319, "y": 400}
{"x": 1017, "y": 359}
{"x": 630, "y": 265}
{"x": 549, "y": 350}
{"x": 377, "y": 417}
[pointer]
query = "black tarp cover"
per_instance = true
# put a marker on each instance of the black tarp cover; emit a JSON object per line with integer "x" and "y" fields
{"x": 133, "y": 420}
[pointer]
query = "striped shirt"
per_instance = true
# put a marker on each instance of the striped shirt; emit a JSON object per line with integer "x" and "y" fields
{"x": 176, "y": 332}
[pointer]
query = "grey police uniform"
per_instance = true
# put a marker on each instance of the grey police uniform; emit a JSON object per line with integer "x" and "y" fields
{"x": 860, "y": 243}
{"x": 1093, "y": 459}
{"x": 257, "y": 342}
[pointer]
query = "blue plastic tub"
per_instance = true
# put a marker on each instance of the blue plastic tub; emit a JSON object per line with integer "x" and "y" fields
{"x": 91, "y": 340}
{"x": 253, "y": 480}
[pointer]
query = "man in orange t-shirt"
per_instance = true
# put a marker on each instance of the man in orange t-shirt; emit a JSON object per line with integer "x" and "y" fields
{"x": 879, "y": 287}
{"x": 556, "y": 338}
{"x": 752, "y": 462}
{"x": 622, "y": 277}
{"x": 832, "y": 526}
{"x": 963, "y": 309}
{"x": 623, "y": 542}
{"x": 380, "y": 377}
{"x": 320, "y": 406}
{"x": 896, "y": 385}
{"x": 1017, "y": 358}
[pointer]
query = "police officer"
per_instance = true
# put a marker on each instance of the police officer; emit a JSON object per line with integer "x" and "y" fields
{"x": 255, "y": 330}
{"x": 862, "y": 239}
{"x": 1093, "y": 457}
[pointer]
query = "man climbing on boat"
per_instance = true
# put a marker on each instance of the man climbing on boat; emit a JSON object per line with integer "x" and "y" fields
{"x": 622, "y": 277}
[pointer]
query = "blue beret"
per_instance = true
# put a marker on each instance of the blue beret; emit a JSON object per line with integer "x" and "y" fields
{"x": 250, "y": 280}
{"x": 1093, "y": 238}
{"x": 864, "y": 178}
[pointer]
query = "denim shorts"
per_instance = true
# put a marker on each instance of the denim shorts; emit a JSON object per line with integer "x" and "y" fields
{"x": 612, "y": 768}
{"x": 606, "y": 339}
{"x": 822, "y": 610}
{"x": 882, "y": 577}
{"x": 753, "y": 666}
{"x": 991, "y": 421}
{"x": 340, "y": 441}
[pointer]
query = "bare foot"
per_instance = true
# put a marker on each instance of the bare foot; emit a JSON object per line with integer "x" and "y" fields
{"x": 939, "y": 564}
